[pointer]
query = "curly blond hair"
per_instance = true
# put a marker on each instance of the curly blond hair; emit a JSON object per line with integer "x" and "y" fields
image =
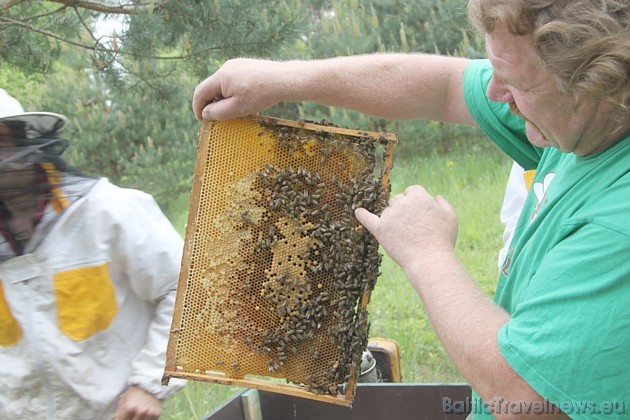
{"x": 584, "y": 44}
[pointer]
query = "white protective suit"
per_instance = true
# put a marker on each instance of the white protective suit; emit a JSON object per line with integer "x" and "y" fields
{"x": 86, "y": 312}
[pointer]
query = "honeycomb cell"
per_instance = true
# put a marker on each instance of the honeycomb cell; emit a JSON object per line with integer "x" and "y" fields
{"x": 277, "y": 272}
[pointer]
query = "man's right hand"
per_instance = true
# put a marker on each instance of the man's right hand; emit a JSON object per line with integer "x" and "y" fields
{"x": 241, "y": 87}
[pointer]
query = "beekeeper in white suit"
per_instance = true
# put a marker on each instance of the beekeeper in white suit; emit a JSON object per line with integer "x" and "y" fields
{"x": 88, "y": 274}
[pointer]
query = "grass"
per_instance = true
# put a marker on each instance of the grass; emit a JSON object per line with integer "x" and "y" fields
{"x": 473, "y": 181}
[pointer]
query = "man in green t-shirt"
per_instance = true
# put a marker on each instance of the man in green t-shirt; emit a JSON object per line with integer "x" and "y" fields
{"x": 554, "y": 94}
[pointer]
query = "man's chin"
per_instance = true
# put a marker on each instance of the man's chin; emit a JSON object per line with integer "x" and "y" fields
{"x": 539, "y": 143}
{"x": 534, "y": 136}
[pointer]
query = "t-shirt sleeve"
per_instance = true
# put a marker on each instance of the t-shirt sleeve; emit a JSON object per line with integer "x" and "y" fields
{"x": 504, "y": 128}
{"x": 568, "y": 336}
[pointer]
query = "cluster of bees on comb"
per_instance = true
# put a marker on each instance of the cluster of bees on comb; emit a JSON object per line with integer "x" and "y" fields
{"x": 335, "y": 260}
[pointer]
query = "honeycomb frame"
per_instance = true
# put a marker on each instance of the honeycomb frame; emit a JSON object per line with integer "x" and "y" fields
{"x": 277, "y": 273}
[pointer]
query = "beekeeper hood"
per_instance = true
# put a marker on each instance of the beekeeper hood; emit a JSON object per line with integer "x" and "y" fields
{"x": 33, "y": 134}
{"x": 35, "y": 124}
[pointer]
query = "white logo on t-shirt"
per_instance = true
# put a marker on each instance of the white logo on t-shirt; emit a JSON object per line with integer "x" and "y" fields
{"x": 540, "y": 191}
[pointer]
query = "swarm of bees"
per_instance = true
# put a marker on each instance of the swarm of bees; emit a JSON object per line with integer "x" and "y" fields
{"x": 286, "y": 293}
{"x": 337, "y": 253}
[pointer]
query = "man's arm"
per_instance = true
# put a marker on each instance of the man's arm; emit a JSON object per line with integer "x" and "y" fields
{"x": 150, "y": 250}
{"x": 419, "y": 232}
{"x": 395, "y": 86}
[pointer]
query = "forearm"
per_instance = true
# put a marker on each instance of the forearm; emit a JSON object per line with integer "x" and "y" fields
{"x": 467, "y": 322}
{"x": 395, "y": 86}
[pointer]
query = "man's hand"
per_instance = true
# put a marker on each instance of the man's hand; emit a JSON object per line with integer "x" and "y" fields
{"x": 414, "y": 226}
{"x": 241, "y": 87}
{"x": 137, "y": 404}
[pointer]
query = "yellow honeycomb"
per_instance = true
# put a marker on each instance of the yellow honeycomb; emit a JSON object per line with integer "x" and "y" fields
{"x": 277, "y": 272}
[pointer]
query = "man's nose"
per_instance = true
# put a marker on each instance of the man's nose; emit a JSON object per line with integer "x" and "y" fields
{"x": 498, "y": 91}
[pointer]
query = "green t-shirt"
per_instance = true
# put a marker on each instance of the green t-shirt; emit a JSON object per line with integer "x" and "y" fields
{"x": 566, "y": 280}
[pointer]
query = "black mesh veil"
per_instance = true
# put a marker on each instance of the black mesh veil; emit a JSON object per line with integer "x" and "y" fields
{"x": 36, "y": 184}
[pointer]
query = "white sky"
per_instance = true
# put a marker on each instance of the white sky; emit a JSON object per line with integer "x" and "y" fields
{"x": 105, "y": 26}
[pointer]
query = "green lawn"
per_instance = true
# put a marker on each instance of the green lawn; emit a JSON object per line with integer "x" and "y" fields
{"x": 473, "y": 181}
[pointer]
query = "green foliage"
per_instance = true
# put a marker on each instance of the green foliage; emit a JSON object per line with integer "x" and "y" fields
{"x": 26, "y": 87}
{"x": 151, "y": 35}
{"x": 345, "y": 27}
{"x": 196, "y": 35}
{"x": 26, "y": 34}
{"x": 423, "y": 26}
{"x": 196, "y": 400}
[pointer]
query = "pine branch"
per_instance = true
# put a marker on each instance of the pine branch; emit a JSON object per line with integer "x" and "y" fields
{"x": 7, "y": 4}
{"x": 101, "y": 47}
{"x": 52, "y": 12}
{"x": 44, "y": 32}
{"x": 85, "y": 25}
{"x": 123, "y": 9}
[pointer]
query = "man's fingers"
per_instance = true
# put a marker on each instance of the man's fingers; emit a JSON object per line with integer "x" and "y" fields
{"x": 205, "y": 93}
{"x": 415, "y": 190}
{"x": 367, "y": 219}
{"x": 445, "y": 204}
{"x": 220, "y": 109}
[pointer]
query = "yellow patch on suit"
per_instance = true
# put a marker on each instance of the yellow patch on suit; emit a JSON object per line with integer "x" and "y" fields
{"x": 10, "y": 331}
{"x": 86, "y": 301}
